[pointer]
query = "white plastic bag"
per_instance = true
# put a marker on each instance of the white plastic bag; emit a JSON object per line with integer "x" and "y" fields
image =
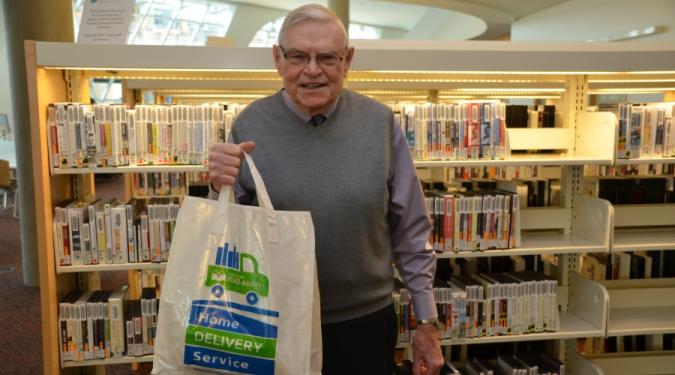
{"x": 240, "y": 292}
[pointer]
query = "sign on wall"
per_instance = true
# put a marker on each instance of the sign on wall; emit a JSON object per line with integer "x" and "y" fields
{"x": 105, "y": 21}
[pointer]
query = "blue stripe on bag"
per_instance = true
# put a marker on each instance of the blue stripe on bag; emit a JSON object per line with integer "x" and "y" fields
{"x": 217, "y": 318}
{"x": 213, "y": 359}
{"x": 237, "y": 306}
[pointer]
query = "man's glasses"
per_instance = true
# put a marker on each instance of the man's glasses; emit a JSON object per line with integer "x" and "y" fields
{"x": 299, "y": 58}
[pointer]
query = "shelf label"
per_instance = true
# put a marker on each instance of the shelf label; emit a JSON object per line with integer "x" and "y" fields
{"x": 105, "y": 21}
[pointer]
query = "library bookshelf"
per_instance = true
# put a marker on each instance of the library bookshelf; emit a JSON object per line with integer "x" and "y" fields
{"x": 652, "y": 362}
{"x": 389, "y": 71}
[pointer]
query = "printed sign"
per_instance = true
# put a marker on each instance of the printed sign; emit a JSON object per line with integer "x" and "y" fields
{"x": 105, "y": 21}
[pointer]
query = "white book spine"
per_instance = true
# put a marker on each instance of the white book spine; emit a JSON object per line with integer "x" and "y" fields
{"x": 119, "y": 235}
{"x": 116, "y": 321}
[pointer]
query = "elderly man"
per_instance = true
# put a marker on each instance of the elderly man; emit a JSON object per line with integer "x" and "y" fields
{"x": 339, "y": 155}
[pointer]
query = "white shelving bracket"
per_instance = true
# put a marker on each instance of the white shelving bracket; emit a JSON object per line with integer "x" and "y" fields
{"x": 589, "y": 301}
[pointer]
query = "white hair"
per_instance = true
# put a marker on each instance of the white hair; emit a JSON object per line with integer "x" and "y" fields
{"x": 310, "y": 12}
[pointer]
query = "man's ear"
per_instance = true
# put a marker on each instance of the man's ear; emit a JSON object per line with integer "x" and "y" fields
{"x": 348, "y": 59}
{"x": 276, "y": 53}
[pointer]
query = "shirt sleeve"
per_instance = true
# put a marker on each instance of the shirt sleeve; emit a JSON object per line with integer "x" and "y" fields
{"x": 410, "y": 228}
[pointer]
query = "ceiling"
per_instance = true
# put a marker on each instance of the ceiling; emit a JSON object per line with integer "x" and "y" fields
{"x": 480, "y": 19}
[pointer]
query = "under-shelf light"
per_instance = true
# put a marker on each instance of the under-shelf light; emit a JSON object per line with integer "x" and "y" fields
{"x": 224, "y": 96}
{"x": 209, "y": 91}
{"x": 525, "y": 96}
{"x": 392, "y": 92}
{"x": 449, "y": 72}
{"x": 500, "y": 89}
{"x": 113, "y": 69}
{"x": 489, "y": 72}
{"x": 628, "y": 90}
{"x": 654, "y": 72}
{"x": 631, "y": 80}
{"x": 441, "y": 80}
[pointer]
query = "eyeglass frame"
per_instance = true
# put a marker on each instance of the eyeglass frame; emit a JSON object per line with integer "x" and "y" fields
{"x": 317, "y": 58}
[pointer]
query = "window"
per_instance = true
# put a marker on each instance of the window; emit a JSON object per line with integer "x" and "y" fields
{"x": 105, "y": 90}
{"x": 163, "y": 22}
{"x": 268, "y": 34}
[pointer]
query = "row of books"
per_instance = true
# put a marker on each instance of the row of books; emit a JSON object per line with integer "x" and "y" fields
{"x": 531, "y": 191}
{"x": 645, "y": 131}
{"x": 628, "y": 265}
{"x": 504, "y": 173}
{"x": 466, "y": 130}
{"x": 523, "y": 116}
{"x": 474, "y": 220}
{"x": 112, "y": 232}
{"x": 159, "y": 183}
{"x": 658, "y": 169}
{"x": 105, "y": 324}
{"x": 508, "y": 364}
{"x": 632, "y": 190}
{"x": 102, "y": 135}
{"x": 483, "y": 305}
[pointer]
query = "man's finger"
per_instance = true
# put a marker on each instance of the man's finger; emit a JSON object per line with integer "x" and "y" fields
{"x": 247, "y": 146}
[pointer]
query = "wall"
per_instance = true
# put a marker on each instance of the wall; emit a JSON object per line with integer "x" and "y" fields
{"x": 580, "y": 20}
{"x": 248, "y": 19}
{"x": 5, "y": 82}
{"x": 50, "y": 21}
{"x": 446, "y": 25}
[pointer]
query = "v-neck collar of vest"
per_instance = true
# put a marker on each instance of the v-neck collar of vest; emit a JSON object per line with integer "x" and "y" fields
{"x": 293, "y": 108}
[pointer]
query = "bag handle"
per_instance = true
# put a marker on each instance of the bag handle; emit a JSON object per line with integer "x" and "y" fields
{"x": 227, "y": 195}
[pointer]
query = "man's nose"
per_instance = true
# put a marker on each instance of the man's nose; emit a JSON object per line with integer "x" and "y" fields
{"x": 312, "y": 67}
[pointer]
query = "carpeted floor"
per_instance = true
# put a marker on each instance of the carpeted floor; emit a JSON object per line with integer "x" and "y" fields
{"x": 21, "y": 344}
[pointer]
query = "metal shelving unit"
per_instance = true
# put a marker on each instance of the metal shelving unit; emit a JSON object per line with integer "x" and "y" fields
{"x": 401, "y": 68}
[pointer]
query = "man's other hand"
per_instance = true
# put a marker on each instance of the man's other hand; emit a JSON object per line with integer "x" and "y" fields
{"x": 427, "y": 356}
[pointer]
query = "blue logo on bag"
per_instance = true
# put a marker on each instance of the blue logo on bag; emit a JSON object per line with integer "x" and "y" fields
{"x": 228, "y": 273}
{"x": 224, "y": 334}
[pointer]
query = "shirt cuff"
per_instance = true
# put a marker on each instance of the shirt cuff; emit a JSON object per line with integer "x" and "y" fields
{"x": 425, "y": 306}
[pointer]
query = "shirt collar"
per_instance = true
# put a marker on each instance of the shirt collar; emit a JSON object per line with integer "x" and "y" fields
{"x": 294, "y": 108}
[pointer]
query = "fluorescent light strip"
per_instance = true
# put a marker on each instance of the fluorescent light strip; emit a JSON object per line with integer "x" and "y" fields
{"x": 159, "y": 69}
{"x": 443, "y": 80}
{"x": 217, "y": 95}
{"x": 494, "y": 72}
{"x": 522, "y": 97}
{"x": 631, "y": 90}
{"x": 630, "y": 80}
{"x": 495, "y": 89}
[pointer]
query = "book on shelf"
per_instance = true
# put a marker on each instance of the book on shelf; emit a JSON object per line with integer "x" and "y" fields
{"x": 158, "y": 184}
{"x": 485, "y": 305}
{"x": 631, "y": 189}
{"x": 470, "y": 130}
{"x": 110, "y": 232}
{"x": 474, "y": 220}
{"x": 645, "y": 131}
{"x": 103, "y": 135}
{"x": 106, "y": 324}
{"x": 517, "y": 363}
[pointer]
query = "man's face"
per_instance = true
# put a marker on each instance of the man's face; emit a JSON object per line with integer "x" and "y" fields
{"x": 313, "y": 61}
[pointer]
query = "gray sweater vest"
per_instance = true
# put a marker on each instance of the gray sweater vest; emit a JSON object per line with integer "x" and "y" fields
{"x": 338, "y": 171}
